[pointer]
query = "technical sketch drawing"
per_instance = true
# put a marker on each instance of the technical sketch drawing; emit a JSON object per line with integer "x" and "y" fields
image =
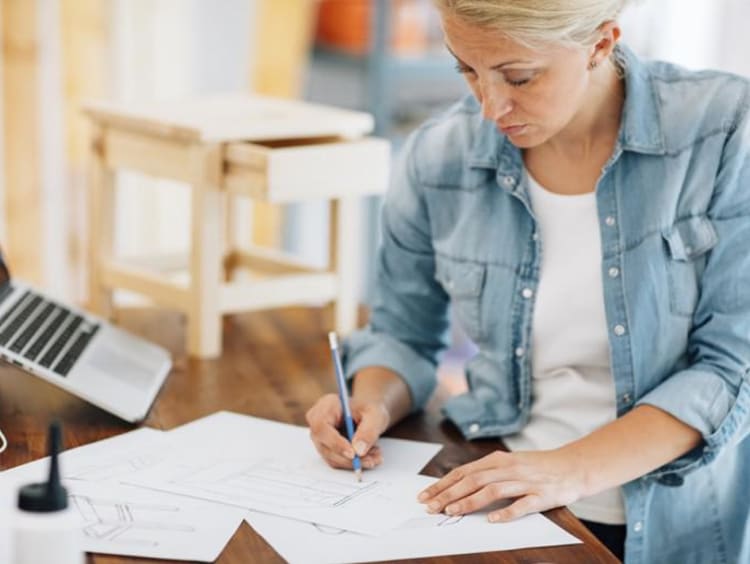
{"x": 127, "y": 523}
{"x": 418, "y": 523}
{"x": 433, "y": 521}
{"x": 112, "y": 469}
{"x": 333, "y": 531}
{"x": 301, "y": 491}
{"x": 267, "y": 482}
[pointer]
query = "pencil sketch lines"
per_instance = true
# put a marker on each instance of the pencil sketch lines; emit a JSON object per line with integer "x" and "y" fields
{"x": 121, "y": 467}
{"x": 265, "y": 484}
{"x": 433, "y": 521}
{"x": 325, "y": 530}
{"x": 418, "y": 523}
{"x": 127, "y": 523}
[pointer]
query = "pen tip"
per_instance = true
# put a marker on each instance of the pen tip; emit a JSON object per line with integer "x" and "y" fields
{"x": 359, "y": 475}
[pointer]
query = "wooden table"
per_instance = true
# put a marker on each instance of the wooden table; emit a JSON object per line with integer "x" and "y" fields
{"x": 275, "y": 365}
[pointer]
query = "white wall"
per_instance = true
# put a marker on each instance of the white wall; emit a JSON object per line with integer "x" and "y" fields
{"x": 682, "y": 31}
{"x": 694, "y": 33}
{"x": 734, "y": 41}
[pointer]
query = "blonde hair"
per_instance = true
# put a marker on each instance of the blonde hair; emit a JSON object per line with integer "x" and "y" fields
{"x": 535, "y": 22}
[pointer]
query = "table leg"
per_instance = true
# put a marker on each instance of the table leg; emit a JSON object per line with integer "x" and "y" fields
{"x": 206, "y": 258}
{"x": 101, "y": 225}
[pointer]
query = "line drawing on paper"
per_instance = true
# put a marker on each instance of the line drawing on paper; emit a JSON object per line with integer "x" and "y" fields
{"x": 439, "y": 520}
{"x": 95, "y": 472}
{"x": 418, "y": 523}
{"x": 127, "y": 523}
{"x": 272, "y": 483}
{"x": 326, "y": 530}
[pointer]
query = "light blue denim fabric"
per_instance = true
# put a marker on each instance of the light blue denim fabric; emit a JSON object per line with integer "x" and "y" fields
{"x": 674, "y": 214}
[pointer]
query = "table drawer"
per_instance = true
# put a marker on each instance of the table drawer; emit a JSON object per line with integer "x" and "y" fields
{"x": 307, "y": 169}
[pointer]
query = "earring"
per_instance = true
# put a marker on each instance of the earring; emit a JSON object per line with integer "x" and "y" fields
{"x": 592, "y": 64}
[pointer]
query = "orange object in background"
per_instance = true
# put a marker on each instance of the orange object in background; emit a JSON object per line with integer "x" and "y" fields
{"x": 345, "y": 25}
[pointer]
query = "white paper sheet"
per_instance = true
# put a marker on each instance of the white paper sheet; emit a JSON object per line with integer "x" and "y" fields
{"x": 429, "y": 535}
{"x": 103, "y": 460}
{"x": 219, "y": 429}
{"x": 281, "y": 473}
{"x": 137, "y": 522}
{"x": 117, "y": 519}
{"x": 285, "y": 487}
{"x": 423, "y": 536}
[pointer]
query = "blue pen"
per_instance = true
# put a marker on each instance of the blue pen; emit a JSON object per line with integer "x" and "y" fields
{"x": 344, "y": 397}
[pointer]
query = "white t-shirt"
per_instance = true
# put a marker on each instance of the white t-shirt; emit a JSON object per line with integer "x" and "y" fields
{"x": 573, "y": 391}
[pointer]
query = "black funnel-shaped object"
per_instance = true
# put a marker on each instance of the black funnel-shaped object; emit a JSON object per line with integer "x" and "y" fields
{"x": 47, "y": 496}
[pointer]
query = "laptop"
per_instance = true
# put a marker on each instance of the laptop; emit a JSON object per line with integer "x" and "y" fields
{"x": 79, "y": 352}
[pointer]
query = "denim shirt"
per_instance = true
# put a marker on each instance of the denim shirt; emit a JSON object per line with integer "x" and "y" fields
{"x": 674, "y": 214}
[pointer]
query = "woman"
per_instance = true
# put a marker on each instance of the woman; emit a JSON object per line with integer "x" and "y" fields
{"x": 587, "y": 215}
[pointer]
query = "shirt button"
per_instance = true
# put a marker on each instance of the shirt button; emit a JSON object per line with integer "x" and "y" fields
{"x": 610, "y": 221}
{"x": 626, "y": 398}
{"x": 619, "y": 330}
{"x": 638, "y": 526}
{"x": 527, "y": 293}
{"x": 520, "y": 351}
{"x": 535, "y": 237}
{"x": 509, "y": 181}
{"x": 614, "y": 272}
{"x": 474, "y": 428}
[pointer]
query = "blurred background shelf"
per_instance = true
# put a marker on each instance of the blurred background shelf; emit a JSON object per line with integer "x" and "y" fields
{"x": 385, "y": 57}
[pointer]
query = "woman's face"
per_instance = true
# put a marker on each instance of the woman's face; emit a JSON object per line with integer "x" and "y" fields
{"x": 530, "y": 95}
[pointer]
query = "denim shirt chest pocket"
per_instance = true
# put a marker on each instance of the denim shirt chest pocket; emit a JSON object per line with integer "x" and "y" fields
{"x": 688, "y": 242}
{"x": 463, "y": 282}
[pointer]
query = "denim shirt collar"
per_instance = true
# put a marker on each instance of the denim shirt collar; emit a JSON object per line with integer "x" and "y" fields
{"x": 640, "y": 128}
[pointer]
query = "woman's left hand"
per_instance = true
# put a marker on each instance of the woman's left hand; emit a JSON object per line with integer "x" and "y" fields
{"x": 537, "y": 481}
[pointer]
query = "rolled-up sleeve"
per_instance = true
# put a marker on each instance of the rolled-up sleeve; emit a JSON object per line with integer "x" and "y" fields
{"x": 712, "y": 394}
{"x": 408, "y": 326}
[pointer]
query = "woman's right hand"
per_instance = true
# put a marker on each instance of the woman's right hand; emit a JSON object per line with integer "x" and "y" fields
{"x": 326, "y": 417}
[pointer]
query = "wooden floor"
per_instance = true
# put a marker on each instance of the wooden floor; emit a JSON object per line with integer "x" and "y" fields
{"x": 274, "y": 365}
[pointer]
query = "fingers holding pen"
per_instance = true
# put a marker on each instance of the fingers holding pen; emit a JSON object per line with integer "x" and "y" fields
{"x": 371, "y": 460}
{"x": 372, "y": 420}
{"x": 324, "y": 420}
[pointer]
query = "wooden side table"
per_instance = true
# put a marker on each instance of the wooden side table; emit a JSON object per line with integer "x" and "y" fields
{"x": 265, "y": 149}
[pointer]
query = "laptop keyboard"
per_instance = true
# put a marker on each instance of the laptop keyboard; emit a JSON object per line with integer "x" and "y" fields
{"x": 31, "y": 329}
{"x": 45, "y": 332}
{"x": 5, "y": 290}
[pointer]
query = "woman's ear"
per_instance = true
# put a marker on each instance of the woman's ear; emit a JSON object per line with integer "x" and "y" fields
{"x": 608, "y": 35}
